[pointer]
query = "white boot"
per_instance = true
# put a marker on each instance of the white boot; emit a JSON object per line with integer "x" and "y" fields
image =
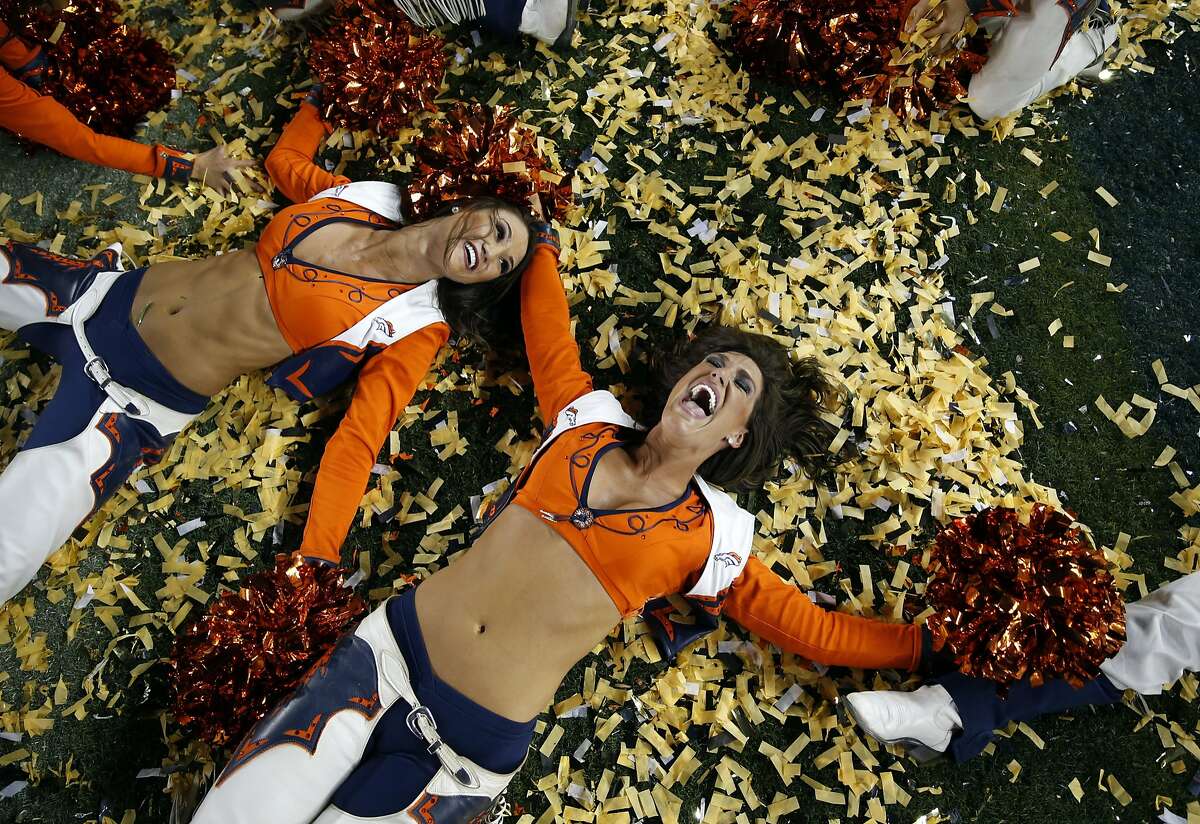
{"x": 551, "y": 21}
{"x": 1162, "y": 638}
{"x": 927, "y": 716}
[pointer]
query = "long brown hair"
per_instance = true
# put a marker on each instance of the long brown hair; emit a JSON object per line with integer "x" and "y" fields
{"x": 485, "y": 313}
{"x": 786, "y": 421}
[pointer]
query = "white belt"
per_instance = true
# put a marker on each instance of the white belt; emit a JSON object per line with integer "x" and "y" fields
{"x": 421, "y": 722}
{"x": 136, "y": 405}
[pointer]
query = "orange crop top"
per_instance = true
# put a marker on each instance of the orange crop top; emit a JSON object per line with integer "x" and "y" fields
{"x": 312, "y": 305}
{"x": 638, "y": 555}
{"x": 616, "y": 544}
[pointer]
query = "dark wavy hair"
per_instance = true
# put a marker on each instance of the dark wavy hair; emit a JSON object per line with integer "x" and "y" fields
{"x": 786, "y": 421}
{"x": 486, "y": 313}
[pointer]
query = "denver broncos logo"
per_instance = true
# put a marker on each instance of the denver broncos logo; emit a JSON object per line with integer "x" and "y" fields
{"x": 572, "y": 415}
{"x": 385, "y": 326}
{"x": 729, "y": 559}
{"x": 345, "y": 679}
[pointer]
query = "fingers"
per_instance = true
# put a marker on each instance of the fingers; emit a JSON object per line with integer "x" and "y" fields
{"x": 945, "y": 31}
{"x": 914, "y": 16}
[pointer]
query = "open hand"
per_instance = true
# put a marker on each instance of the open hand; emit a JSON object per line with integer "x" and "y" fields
{"x": 950, "y": 18}
{"x": 216, "y": 169}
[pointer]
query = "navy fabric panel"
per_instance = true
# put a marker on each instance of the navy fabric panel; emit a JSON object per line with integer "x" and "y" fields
{"x": 386, "y": 783}
{"x": 983, "y": 710}
{"x": 397, "y": 765}
{"x": 672, "y": 636}
{"x": 318, "y": 370}
{"x": 503, "y": 17}
{"x": 73, "y": 405}
{"x": 132, "y": 442}
{"x": 61, "y": 279}
{"x": 50, "y": 338}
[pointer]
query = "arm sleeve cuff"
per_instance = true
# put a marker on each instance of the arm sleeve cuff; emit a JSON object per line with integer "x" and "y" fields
{"x": 172, "y": 164}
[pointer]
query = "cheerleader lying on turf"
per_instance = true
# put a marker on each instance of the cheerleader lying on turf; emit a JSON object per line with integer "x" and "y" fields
{"x": 959, "y": 714}
{"x": 424, "y": 712}
{"x": 334, "y": 284}
{"x": 44, "y": 120}
{"x": 1036, "y": 45}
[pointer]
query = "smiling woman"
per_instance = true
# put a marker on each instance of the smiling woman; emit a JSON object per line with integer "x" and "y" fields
{"x": 336, "y": 283}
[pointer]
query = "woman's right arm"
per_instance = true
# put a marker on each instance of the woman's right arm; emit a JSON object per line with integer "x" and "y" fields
{"x": 558, "y": 377}
{"x": 290, "y": 164}
{"x": 44, "y": 120}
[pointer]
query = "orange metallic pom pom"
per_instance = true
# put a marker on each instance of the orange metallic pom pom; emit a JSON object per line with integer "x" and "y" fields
{"x": 479, "y": 150}
{"x": 847, "y": 44}
{"x": 1016, "y": 599}
{"x": 253, "y": 646}
{"x": 377, "y": 69}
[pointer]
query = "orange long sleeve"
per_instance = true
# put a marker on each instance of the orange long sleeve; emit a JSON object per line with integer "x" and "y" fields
{"x": 15, "y": 54}
{"x": 773, "y": 609}
{"x": 558, "y": 377}
{"x": 385, "y": 386}
{"x": 290, "y": 164}
{"x": 44, "y": 120}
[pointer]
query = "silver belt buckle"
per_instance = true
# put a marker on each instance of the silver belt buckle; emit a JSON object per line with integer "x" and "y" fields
{"x": 414, "y": 717}
{"x": 97, "y": 370}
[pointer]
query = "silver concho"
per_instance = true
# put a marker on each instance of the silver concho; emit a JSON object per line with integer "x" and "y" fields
{"x": 582, "y": 518}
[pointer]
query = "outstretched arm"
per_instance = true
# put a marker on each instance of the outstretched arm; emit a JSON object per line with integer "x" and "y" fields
{"x": 44, "y": 120}
{"x": 385, "y": 386}
{"x": 773, "y": 609}
{"x": 290, "y": 164}
{"x": 558, "y": 377}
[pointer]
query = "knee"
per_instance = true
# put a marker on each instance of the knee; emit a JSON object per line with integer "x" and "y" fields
{"x": 18, "y": 566}
{"x": 987, "y": 98}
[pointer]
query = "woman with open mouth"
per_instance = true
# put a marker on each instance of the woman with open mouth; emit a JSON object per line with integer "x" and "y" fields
{"x": 426, "y": 710}
{"x": 336, "y": 283}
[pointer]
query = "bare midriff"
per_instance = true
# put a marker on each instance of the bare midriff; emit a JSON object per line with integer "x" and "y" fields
{"x": 506, "y": 621}
{"x": 208, "y": 321}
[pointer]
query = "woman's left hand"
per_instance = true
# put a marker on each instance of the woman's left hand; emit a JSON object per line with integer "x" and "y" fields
{"x": 215, "y": 169}
{"x": 951, "y": 16}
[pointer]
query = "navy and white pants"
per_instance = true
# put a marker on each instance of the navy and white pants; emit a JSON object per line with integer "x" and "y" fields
{"x": 340, "y": 749}
{"x": 84, "y": 444}
{"x": 1024, "y": 61}
{"x": 1162, "y": 643}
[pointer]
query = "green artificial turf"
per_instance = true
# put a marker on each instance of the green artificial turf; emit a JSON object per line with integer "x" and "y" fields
{"x": 1136, "y": 137}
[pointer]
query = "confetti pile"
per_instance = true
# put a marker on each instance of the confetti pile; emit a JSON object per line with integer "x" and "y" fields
{"x": 698, "y": 194}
